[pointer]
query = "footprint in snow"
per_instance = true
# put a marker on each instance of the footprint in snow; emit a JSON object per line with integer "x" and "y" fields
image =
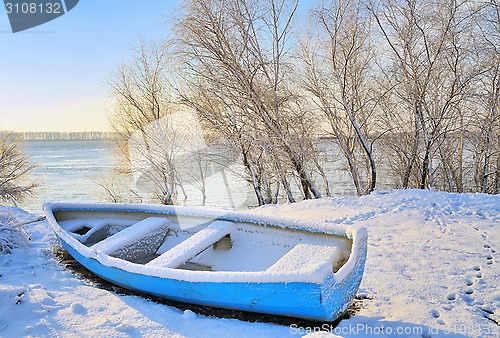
{"x": 125, "y": 328}
{"x": 48, "y": 301}
{"x": 435, "y": 313}
{"x": 479, "y": 274}
{"x": 79, "y": 309}
{"x": 468, "y": 282}
{"x": 489, "y": 259}
{"x": 448, "y": 307}
{"x": 451, "y": 296}
{"x": 490, "y": 250}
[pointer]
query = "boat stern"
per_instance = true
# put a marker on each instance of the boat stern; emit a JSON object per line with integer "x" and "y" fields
{"x": 339, "y": 289}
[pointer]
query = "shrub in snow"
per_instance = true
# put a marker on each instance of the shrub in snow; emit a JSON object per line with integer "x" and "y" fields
{"x": 15, "y": 167}
{"x": 11, "y": 234}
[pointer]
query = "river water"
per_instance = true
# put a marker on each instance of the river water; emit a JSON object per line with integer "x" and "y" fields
{"x": 67, "y": 170}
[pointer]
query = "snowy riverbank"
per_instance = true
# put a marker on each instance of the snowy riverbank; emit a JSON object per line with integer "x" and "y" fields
{"x": 432, "y": 271}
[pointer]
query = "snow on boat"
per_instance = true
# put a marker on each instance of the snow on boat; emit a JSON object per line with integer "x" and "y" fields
{"x": 233, "y": 260}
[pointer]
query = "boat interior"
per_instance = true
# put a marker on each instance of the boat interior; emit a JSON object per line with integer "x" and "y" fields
{"x": 194, "y": 243}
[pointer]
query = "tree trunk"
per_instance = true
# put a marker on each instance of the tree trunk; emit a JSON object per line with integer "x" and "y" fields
{"x": 425, "y": 167}
{"x": 413, "y": 156}
{"x": 308, "y": 186}
{"x": 255, "y": 180}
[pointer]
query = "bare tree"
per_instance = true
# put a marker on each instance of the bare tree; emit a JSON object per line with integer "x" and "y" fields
{"x": 113, "y": 186}
{"x": 141, "y": 120}
{"x": 417, "y": 78}
{"x": 338, "y": 75}
{"x": 485, "y": 137}
{"x": 222, "y": 120}
{"x": 428, "y": 77}
{"x": 237, "y": 73}
{"x": 15, "y": 185}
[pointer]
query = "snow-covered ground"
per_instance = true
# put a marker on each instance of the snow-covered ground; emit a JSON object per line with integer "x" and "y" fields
{"x": 433, "y": 270}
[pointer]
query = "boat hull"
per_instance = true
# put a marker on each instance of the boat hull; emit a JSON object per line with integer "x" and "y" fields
{"x": 325, "y": 301}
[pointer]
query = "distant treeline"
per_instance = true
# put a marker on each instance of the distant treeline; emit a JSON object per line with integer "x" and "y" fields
{"x": 49, "y": 136}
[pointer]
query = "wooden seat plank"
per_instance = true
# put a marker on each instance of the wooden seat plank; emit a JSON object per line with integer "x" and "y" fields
{"x": 192, "y": 246}
{"x": 132, "y": 234}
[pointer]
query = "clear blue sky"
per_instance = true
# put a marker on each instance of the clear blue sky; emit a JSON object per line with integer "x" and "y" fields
{"x": 53, "y": 77}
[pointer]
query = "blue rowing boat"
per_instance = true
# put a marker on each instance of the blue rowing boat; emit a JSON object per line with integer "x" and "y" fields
{"x": 234, "y": 260}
